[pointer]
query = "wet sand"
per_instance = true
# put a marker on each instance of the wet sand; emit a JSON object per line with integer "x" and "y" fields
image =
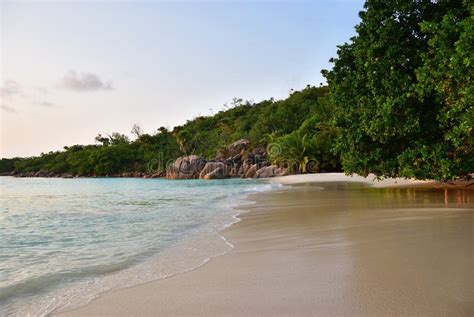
{"x": 327, "y": 249}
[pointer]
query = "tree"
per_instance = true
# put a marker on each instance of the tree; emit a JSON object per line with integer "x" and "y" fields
{"x": 447, "y": 75}
{"x": 105, "y": 141}
{"x": 387, "y": 126}
{"x": 308, "y": 149}
{"x": 137, "y": 130}
{"x": 118, "y": 138}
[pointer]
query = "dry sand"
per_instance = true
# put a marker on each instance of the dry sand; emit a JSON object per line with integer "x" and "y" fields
{"x": 326, "y": 249}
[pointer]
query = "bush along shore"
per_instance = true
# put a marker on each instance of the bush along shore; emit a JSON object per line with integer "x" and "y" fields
{"x": 245, "y": 139}
{"x": 399, "y": 102}
{"x": 243, "y": 162}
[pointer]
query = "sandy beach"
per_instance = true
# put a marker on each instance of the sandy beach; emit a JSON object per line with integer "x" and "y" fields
{"x": 326, "y": 246}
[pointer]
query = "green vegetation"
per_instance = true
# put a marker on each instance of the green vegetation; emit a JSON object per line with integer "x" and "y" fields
{"x": 115, "y": 155}
{"x": 209, "y": 136}
{"x": 399, "y": 102}
{"x": 297, "y": 129}
{"x": 403, "y": 90}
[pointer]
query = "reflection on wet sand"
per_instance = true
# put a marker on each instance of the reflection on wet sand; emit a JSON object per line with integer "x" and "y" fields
{"x": 406, "y": 251}
{"x": 462, "y": 196}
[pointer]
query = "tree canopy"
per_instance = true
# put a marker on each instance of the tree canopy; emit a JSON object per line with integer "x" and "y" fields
{"x": 402, "y": 89}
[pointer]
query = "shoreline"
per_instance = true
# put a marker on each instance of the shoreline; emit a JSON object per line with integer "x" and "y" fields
{"x": 293, "y": 179}
{"x": 241, "y": 209}
{"x": 139, "y": 299}
{"x": 204, "y": 210}
{"x": 371, "y": 180}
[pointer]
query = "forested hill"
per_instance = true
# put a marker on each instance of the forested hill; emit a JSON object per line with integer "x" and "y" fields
{"x": 399, "y": 102}
{"x": 299, "y": 124}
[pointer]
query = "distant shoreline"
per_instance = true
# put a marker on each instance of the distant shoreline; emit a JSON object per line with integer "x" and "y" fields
{"x": 124, "y": 175}
{"x": 371, "y": 179}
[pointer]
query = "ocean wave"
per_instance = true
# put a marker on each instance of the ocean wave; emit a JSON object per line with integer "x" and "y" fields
{"x": 147, "y": 238}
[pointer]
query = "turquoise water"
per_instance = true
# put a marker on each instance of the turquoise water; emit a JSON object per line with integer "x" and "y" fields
{"x": 64, "y": 241}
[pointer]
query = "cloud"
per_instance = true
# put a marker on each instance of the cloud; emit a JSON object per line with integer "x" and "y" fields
{"x": 7, "y": 108}
{"x": 14, "y": 93}
{"x": 85, "y": 82}
{"x": 10, "y": 89}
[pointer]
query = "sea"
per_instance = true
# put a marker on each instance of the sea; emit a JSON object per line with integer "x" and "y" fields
{"x": 63, "y": 242}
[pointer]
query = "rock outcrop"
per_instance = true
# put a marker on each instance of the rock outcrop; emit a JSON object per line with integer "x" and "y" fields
{"x": 238, "y": 160}
{"x": 270, "y": 171}
{"x": 214, "y": 170}
{"x": 251, "y": 172}
{"x": 218, "y": 173}
{"x": 186, "y": 167}
{"x": 238, "y": 147}
{"x": 158, "y": 175}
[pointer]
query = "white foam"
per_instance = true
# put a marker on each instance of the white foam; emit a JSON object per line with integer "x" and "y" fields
{"x": 171, "y": 263}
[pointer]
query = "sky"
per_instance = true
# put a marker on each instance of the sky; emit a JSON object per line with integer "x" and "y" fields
{"x": 70, "y": 70}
